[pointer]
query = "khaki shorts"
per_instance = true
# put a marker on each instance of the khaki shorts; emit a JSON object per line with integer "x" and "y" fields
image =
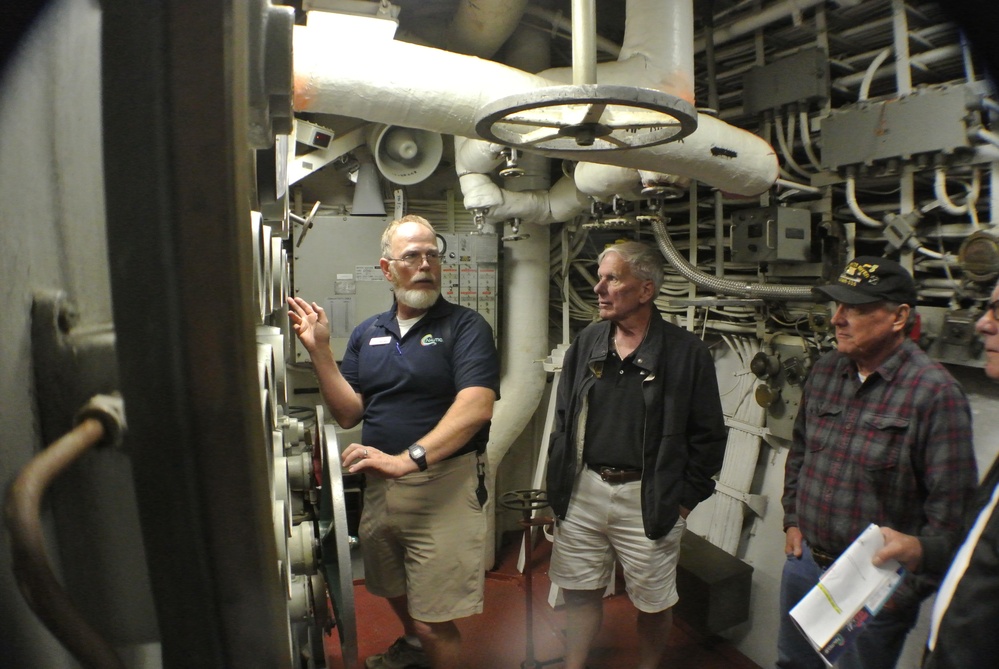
{"x": 423, "y": 536}
{"x": 604, "y": 524}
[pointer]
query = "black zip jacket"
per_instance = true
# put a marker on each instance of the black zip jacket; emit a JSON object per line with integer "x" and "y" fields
{"x": 968, "y": 635}
{"x": 684, "y": 425}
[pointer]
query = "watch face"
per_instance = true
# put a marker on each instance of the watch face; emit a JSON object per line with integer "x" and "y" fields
{"x": 419, "y": 455}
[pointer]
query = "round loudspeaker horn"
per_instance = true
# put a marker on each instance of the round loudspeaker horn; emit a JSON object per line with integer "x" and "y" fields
{"x": 405, "y": 155}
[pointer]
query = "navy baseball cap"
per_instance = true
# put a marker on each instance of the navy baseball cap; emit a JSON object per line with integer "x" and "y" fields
{"x": 869, "y": 279}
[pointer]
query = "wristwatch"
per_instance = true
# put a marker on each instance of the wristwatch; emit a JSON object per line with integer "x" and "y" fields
{"x": 419, "y": 456}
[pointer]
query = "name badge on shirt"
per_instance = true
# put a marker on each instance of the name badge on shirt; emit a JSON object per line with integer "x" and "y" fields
{"x": 379, "y": 341}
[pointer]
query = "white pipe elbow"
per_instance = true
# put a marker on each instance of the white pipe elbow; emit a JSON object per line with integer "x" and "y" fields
{"x": 541, "y": 207}
{"x": 566, "y": 201}
{"x": 473, "y": 155}
{"x": 480, "y": 192}
{"x": 603, "y": 182}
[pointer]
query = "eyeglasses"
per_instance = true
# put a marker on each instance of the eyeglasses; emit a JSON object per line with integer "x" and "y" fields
{"x": 415, "y": 259}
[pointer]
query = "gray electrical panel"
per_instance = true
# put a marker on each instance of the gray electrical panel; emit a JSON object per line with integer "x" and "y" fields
{"x": 929, "y": 121}
{"x": 772, "y": 234}
{"x": 337, "y": 266}
{"x": 801, "y": 78}
{"x": 469, "y": 273}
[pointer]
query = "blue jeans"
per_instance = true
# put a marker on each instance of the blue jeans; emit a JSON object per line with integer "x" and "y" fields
{"x": 878, "y": 646}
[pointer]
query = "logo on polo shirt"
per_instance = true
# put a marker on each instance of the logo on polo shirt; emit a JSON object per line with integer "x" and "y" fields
{"x": 430, "y": 340}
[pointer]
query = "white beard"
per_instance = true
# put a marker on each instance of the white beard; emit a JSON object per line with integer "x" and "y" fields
{"x": 414, "y": 298}
{"x": 417, "y": 298}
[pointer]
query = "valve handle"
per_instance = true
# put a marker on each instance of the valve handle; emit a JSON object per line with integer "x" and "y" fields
{"x": 524, "y": 500}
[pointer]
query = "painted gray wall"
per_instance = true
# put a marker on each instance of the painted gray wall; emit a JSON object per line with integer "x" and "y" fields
{"x": 51, "y": 236}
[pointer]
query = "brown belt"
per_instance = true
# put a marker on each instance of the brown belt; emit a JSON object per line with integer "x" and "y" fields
{"x": 617, "y": 475}
{"x": 821, "y": 557}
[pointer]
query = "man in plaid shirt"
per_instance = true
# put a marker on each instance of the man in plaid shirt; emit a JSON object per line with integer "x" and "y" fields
{"x": 882, "y": 435}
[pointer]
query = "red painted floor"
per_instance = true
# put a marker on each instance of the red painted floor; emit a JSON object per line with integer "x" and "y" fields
{"x": 496, "y": 639}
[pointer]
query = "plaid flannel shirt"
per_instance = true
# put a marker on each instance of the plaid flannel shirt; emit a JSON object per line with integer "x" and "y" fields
{"x": 895, "y": 450}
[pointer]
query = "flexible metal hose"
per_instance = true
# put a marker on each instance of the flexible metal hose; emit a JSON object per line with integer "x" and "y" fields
{"x": 717, "y": 284}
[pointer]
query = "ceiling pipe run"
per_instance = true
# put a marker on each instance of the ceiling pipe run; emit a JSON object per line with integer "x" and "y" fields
{"x": 657, "y": 53}
{"x": 657, "y": 50}
{"x": 760, "y": 19}
{"x": 475, "y": 159}
{"x": 480, "y": 27}
{"x": 644, "y": 62}
{"x": 425, "y": 88}
{"x": 525, "y": 269}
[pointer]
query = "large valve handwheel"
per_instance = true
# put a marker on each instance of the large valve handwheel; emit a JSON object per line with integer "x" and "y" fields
{"x": 524, "y": 500}
{"x": 588, "y": 117}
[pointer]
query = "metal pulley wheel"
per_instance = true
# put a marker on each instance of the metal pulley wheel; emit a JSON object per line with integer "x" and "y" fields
{"x": 335, "y": 541}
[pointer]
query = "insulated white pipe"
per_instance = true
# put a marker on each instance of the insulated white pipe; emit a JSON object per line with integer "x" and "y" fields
{"x": 657, "y": 52}
{"x": 525, "y": 270}
{"x": 479, "y": 27}
{"x": 758, "y": 20}
{"x": 472, "y": 156}
{"x": 525, "y": 343}
{"x": 542, "y": 207}
{"x": 559, "y": 21}
{"x": 652, "y": 61}
{"x": 717, "y": 154}
{"x": 602, "y": 182}
{"x": 430, "y": 89}
{"x": 525, "y": 287}
{"x": 648, "y": 59}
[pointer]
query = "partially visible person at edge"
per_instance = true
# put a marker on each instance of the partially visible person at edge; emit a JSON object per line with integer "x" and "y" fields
{"x": 423, "y": 376}
{"x": 964, "y": 625}
{"x": 883, "y": 436}
{"x": 639, "y": 434}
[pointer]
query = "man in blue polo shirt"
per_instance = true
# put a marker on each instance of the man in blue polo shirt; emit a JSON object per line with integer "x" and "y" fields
{"x": 423, "y": 376}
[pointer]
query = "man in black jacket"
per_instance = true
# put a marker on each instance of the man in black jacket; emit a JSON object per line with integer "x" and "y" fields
{"x": 963, "y": 630}
{"x": 639, "y": 435}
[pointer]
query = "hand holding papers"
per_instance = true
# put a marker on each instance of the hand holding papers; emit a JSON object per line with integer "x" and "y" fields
{"x": 850, "y": 592}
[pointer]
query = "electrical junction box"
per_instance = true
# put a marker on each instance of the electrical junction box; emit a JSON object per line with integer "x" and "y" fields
{"x": 772, "y": 234}
{"x": 931, "y": 120}
{"x": 801, "y": 78}
{"x": 953, "y": 335}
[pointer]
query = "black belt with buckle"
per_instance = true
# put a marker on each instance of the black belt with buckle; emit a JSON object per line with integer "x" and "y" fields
{"x": 617, "y": 474}
{"x": 821, "y": 557}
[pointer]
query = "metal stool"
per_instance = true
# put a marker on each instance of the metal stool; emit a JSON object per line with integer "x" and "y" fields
{"x": 527, "y": 501}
